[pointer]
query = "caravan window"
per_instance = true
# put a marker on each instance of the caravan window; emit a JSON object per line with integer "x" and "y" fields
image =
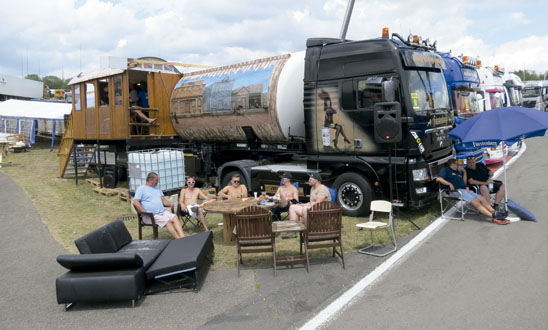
{"x": 118, "y": 90}
{"x": 103, "y": 92}
{"x": 77, "y": 100}
{"x": 90, "y": 95}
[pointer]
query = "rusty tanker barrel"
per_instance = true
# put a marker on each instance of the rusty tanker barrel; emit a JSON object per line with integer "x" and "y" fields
{"x": 257, "y": 99}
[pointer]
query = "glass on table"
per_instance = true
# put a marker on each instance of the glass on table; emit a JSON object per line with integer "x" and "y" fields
{"x": 219, "y": 199}
{"x": 263, "y": 194}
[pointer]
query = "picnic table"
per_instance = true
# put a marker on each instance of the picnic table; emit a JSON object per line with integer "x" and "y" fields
{"x": 228, "y": 208}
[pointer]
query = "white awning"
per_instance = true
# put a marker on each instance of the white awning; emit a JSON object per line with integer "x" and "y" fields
{"x": 34, "y": 109}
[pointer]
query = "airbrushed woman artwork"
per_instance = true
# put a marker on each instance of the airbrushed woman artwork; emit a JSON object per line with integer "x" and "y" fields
{"x": 329, "y": 122}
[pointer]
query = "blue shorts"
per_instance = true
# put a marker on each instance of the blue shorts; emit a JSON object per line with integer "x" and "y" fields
{"x": 467, "y": 195}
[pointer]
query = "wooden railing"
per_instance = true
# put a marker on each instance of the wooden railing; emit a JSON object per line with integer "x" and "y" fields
{"x": 65, "y": 149}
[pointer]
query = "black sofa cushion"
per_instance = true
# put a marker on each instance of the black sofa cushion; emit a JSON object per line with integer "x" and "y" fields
{"x": 106, "y": 239}
{"x": 112, "y": 285}
{"x": 182, "y": 254}
{"x": 148, "y": 250}
{"x": 119, "y": 233}
{"x": 100, "y": 261}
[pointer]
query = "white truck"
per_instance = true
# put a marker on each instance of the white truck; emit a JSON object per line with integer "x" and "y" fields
{"x": 535, "y": 94}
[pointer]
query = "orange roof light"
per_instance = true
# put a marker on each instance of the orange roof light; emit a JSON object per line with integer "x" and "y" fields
{"x": 385, "y": 33}
{"x": 465, "y": 59}
{"x": 478, "y": 62}
{"x": 415, "y": 39}
{"x": 496, "y": 68}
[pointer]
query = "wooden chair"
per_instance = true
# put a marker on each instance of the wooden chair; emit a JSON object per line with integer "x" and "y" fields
{"x": 379, "y": 206}
{"x": 323, "y": 229}
{"x": 142, "y": 224}
{"x": 254, "y": 233}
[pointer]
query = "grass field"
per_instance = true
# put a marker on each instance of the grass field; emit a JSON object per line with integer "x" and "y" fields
{"x": 70, "y": 211}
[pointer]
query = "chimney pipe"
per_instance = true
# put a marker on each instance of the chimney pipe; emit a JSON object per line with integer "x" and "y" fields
{"x": 347, "y": 16}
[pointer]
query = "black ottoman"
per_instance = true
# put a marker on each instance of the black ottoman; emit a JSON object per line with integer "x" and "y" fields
{"x": 183, "y": 263}
{"x": 111, "y": 285}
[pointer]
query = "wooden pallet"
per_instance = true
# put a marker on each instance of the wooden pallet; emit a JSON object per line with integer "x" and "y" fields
{"x": 210, "y": 191}
{"x": 123, "y": 194}
{"x": 94, "y": 182}
{"x": 106, "y": 191}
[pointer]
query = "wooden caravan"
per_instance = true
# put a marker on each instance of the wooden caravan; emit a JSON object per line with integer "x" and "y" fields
{"x": 106, "y": 112}
{"x": 103, "y": 109}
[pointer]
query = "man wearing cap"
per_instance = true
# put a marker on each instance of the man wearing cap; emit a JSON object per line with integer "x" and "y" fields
{"x": 318, "y": 193}
{"x": 479, "y": 177}
{"x": 289, "y": 194}
{"x": 453, "y": 177}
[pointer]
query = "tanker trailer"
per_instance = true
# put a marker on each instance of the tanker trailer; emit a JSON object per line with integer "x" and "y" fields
{"x": 354, "y": 111}
{"x": 261, "y": 98}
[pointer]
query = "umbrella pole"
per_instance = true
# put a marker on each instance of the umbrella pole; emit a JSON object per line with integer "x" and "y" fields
{"x": 505, "y": 186}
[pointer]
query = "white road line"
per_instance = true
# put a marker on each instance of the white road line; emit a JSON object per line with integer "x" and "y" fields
{"x": 349, "y": 297}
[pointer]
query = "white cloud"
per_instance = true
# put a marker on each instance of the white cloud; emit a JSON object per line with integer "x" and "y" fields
{"x": 57, "y": 36}
{"x": 528, "y": 53}
{"x": 519, "y": 18}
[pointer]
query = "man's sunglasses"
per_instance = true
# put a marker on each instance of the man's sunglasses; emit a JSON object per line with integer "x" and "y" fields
{"x": 235, "y": 181}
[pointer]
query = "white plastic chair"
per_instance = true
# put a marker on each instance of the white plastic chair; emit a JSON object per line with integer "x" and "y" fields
{"x": 385, "y": 207}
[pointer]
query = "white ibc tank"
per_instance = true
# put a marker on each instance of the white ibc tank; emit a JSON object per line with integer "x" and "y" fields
{"x": 167, "y": 163}
{"x": 218, "y": 104}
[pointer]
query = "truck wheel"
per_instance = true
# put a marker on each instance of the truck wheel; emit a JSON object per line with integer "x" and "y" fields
{"x": 226, "y": 179}
{"x": 354, "y": 194}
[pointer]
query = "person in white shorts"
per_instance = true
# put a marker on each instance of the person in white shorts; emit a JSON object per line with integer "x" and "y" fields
{"x": 150, "y": 198}
{"x": 189, "y": 200}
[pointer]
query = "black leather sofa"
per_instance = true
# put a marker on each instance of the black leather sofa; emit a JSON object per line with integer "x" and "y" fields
{"x": 112, "y": 266}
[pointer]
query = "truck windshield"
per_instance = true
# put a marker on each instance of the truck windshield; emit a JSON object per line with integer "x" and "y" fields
{"x": 466, "y": 103}
{"x": 427, "y": 90}
{"x": 515, "y": 96}
{"x": 531, "y": 92}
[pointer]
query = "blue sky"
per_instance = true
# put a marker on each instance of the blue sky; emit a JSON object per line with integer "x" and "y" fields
{"x": 65, "y": 37}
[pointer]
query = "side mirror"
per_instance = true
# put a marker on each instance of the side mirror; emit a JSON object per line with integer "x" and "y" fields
{"x": 388, "y": 91}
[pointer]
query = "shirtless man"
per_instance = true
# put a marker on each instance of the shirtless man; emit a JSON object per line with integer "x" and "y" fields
{"x": 318, "y": 193}
{"x": 235, "y": 190}
{"x": 288, "y": 194}
{"x": 189, "y": 200}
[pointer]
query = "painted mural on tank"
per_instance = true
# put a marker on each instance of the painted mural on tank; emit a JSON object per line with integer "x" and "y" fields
{"x": 229, "y": 91}
{"x": 218, "y": 104}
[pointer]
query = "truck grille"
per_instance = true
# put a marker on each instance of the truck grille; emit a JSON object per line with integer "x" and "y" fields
{"x": 529, "y": 104}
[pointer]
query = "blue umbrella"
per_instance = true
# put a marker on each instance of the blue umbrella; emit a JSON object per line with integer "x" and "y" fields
{"x": 489, "y": 128}
{"x": 508, "y": 125}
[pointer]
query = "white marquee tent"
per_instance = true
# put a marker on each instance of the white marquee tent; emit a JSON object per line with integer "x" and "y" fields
{"x": 17, "y": 116}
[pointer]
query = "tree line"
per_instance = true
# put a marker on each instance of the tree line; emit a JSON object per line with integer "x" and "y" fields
{"x": 52, "y": 82}
{"x": 526, "y": 75}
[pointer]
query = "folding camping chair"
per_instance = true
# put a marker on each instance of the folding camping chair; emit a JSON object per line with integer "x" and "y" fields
{"x": 185, "y": 217}
{"x": 454, "y": 203}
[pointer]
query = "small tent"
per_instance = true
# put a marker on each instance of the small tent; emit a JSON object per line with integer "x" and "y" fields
{"x": 17, "y": 116}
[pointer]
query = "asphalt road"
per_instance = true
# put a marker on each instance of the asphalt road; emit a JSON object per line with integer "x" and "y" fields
{"x": 471, "y": 274}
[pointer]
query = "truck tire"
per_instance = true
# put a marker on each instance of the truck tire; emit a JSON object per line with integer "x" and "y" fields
{"x": 354, "y": 194}
{"x": 226, "y": 179}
